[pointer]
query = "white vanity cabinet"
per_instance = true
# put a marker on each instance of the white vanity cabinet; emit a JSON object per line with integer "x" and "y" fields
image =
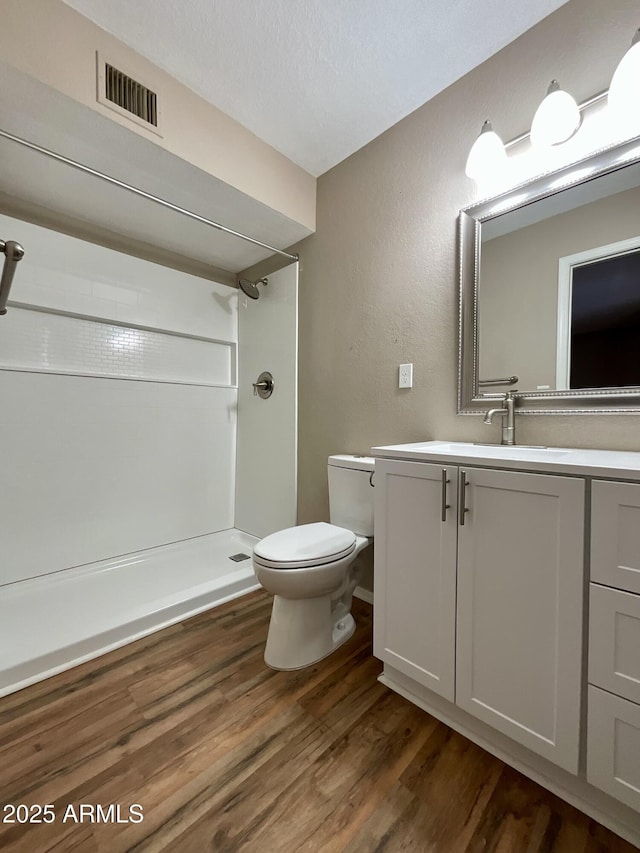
{"x": 507, "y": 647}
{"x": 507, "y": 605}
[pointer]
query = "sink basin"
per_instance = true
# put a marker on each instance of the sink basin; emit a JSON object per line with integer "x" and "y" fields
{"x": 500, "y": 451}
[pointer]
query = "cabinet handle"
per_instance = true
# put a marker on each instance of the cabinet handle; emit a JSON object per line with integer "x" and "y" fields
{"x": 443, "y": 502}
{"x": 462, "y": 491}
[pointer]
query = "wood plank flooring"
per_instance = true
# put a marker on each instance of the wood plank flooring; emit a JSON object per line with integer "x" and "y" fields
{"x": 224, "y": 754}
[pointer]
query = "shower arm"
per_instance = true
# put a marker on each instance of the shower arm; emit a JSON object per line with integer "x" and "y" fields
{"x": 13, "y": 252}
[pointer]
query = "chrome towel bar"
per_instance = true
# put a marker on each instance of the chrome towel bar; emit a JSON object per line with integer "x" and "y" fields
{"x": 508, "y": 380}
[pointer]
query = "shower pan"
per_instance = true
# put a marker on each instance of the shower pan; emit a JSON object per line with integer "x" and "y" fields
{"x": 107, "y": 363}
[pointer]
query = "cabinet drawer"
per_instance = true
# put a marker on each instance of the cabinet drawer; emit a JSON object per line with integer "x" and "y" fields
{"x": 614, "y": 641}
{"x": 615, "y": 534}
{"x": 613, "y": 746}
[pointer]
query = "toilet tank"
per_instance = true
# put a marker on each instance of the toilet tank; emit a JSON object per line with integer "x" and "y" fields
{"x": 351, "y": 492}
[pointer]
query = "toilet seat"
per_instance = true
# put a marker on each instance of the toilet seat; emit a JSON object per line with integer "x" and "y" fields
{"x": 307, "y": 545}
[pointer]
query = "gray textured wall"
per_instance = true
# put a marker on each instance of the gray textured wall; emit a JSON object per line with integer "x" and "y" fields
{"x": 378, "y": 281}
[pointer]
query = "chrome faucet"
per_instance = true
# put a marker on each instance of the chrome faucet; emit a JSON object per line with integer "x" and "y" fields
{"x": 508, "y": 412}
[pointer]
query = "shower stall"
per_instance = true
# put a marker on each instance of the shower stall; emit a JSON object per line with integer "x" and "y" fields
{"x": 139, "y": 466}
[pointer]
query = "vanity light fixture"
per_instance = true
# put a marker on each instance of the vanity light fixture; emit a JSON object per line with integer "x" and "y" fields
{"x": 556, "y": 119}
{"x": 487, "y": 156}
{"x": 624, "y": 94}
{"x": 559, "y": 117}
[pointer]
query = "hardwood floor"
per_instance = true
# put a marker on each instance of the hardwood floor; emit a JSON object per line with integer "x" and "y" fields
{"x": 224, "y": 754}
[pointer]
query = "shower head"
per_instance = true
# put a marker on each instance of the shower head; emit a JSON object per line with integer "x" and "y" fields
{"x": 250, "y": 288}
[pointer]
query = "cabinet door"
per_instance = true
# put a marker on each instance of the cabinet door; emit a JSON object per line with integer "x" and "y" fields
{"x": 415, "y": 571}
{"x": 520, "y": 608}
{"x": 615, "y": 534}
{"x": 613, "y": 746}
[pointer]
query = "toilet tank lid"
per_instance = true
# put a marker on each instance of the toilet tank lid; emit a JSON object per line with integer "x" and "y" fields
{"x": 348, "y": 460}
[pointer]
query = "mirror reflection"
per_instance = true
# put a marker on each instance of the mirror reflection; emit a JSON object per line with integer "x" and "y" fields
{"x": 559, "y": 290}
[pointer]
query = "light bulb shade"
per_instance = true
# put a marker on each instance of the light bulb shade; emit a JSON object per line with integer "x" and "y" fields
{"x": 556, "y": 119}
{"x": 487, "y": 157}
{"x": 624, "y": 91}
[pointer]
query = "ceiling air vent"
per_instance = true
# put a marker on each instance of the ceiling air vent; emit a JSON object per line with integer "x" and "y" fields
{"x": 131, "y": 95}
{"x": 127, "y": 96}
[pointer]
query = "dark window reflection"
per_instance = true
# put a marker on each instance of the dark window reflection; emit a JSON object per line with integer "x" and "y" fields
{"x": 605, "y": 323}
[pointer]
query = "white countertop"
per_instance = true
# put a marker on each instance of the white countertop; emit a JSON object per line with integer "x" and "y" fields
{"x": 617, "y": 464}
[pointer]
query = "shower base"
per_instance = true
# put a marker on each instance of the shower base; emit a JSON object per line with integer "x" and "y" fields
{"x": 57, "y": 621}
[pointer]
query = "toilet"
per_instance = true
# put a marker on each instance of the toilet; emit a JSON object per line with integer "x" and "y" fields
{"x": 313, "y": 569}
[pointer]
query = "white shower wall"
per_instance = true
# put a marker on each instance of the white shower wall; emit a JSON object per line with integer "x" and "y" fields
{"x": 266, "y": 484}
{"x": 118, "y": 405}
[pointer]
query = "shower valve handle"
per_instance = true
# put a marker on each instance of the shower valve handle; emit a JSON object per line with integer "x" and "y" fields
{"x": 263, "y": 387}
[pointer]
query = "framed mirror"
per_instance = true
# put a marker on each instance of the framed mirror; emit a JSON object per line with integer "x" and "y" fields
{"x": 550, "y": 291}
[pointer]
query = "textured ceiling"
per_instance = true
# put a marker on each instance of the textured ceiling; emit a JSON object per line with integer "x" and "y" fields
{"x": 316, "y": 79}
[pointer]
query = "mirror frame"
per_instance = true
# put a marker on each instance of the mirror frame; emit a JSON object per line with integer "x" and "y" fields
{"x": 573, "y": 402}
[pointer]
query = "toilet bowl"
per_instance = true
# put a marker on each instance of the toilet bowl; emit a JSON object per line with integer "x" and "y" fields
{"x": 313, "y": 569}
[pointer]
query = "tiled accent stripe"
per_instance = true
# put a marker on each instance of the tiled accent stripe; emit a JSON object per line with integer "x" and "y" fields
{"x": 59, "y": 343}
